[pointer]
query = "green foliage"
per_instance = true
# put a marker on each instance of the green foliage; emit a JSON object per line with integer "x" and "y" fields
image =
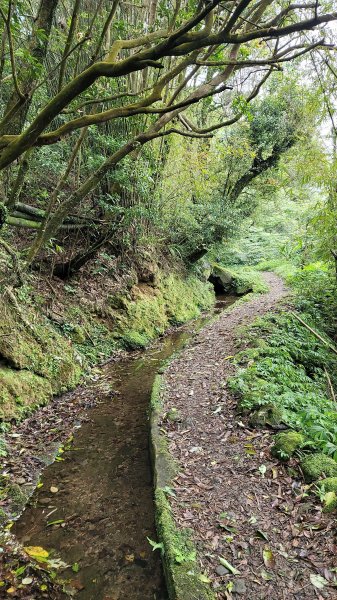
{"x": 329, "y": 484}
{"x": 286, "y": 365}
{"x": 330, "y": 502}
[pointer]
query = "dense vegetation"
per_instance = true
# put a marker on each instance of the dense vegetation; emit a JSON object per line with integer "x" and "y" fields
{"x": 132, "y": 127}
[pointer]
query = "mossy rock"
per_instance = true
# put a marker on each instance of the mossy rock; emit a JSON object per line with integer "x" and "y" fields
{"x": 315, "y": 465}
{"x": 286, "y": 443}
{"x": 227, "y": 280}
{"x": 173, "y": 415}
{"x": 268, "y": 415}
{"x": 330, "y": 502}
{"x": 17, "y": 496}
{"x": 329, "y": 484}
{"x": 150, "y": 311}
{"x": 77, "y": 335}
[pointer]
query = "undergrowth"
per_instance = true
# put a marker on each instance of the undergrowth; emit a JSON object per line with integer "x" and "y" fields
{"x": 288, "y": 367}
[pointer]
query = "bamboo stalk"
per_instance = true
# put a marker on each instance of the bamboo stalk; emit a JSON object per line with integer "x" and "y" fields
{"x": 314, "y": 332}
{"x": 332, "y": 391}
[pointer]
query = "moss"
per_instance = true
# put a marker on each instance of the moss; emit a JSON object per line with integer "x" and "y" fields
{"x": 21, "y": 392}
{"x": 315, "y": 465}
{"x": 179, "y": 554}
{"x": 38, "y": 348}
{"x": 179, "y": 558}
{"x": 40, "y": 362}
{"x": 286, "y": 443}
{"x": 329, "y": 484}
{"x": 150, "y": 311}
{"x": 267, "y": 415}
{"x": 330, "y": 502}
{"x": 77, "y": 335}
{"x": 18, "y": 497}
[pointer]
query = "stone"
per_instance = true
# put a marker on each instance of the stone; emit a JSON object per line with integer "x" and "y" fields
{"x": 239, "y": 587}
{"x": 220, "y": 570}
{"x": 268, "y": 415}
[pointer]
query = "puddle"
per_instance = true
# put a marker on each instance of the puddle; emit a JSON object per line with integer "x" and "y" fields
{"x": 104, "y": 487}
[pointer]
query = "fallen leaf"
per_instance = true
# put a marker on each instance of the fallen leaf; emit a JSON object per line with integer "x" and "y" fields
{"x": 228, "y": 566}
{"x": 129, "y": 557}
{"x": 318, "y": 581}
{"x": 261, "y": 535}
{"x": 268, "y": 558}
{"x": 204, "y": 578}
{"x": 57, "y": 522}
{"x": 54, "y": 489}
{"x": 36, "y": 552}
{"x": 27, "y": 580}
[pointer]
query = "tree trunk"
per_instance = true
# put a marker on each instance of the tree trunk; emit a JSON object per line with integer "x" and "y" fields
{"x": 38, "y": 49}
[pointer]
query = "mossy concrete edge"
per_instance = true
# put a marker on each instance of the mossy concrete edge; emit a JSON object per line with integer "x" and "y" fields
{"x": 182, "y": 574}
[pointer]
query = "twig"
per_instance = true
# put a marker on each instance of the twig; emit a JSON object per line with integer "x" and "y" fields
{"x": 314, "y": 332}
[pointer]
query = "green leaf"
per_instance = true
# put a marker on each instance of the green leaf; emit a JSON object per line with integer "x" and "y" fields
{"x": 318, "y": 581}
{"x": 75, "y": 567}
{"x": 261, "y": 535}
{"x": 228, "y": 566}
{"x": 204, "y": 578}
{"x": 57, "y": 522}
{"x": 263, "y": 470}
{"x": 156, "y": 545}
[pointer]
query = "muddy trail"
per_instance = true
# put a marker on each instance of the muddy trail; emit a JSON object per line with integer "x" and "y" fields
{"x": 94, "y": 509}
{"x": 241, "y": 503}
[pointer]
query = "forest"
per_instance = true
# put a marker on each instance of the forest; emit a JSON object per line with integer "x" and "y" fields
{"x": 168, "y": 299}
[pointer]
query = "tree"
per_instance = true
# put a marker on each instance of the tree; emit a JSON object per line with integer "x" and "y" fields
{"x": 176, "y": 60}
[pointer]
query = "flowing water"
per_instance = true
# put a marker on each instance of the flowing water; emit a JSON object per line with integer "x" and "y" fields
{"x": 104, "y": 498}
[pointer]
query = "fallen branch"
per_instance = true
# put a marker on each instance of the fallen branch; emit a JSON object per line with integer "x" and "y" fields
{"x": 330, "y": 346}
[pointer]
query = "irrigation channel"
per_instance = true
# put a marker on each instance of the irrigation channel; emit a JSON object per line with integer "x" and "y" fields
{"x": 103, "y": 506}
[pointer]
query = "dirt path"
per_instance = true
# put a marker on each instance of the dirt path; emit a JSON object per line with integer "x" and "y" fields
{"x": 259, "y": 522}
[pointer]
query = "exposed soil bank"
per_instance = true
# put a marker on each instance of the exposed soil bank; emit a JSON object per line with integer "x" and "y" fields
{"x": 104, "y": 496}
{"x": 239, "y": 502}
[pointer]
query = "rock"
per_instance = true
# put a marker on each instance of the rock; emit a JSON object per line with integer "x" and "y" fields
{"x": 220, "y": 570}
{"x": 239, "y": 587}
{"x": 268, "y": 415}
{"x": 286, "y": 443}
{"x": 315, "y": 465}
